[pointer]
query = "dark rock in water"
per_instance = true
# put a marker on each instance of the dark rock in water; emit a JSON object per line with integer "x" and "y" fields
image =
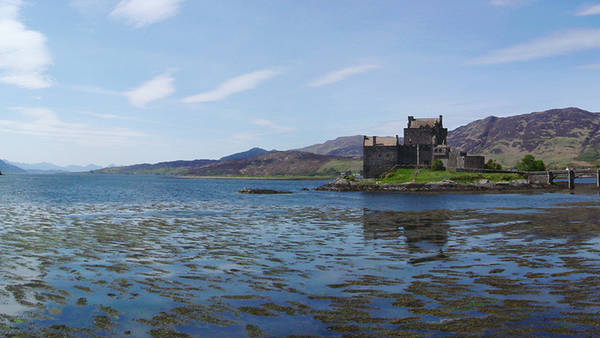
{"x": 262, "y": 191}
{"x": 305, "y": 189}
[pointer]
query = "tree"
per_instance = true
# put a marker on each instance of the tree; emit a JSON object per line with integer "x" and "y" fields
{"x": 493, "y": 165}
{"x": 438, "y": 165}
{"x": 529, "y": 163}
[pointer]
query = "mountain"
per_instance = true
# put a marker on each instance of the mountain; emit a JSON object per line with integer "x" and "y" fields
{"x": 347, "y": 146}
{"x": 557, "y": 136}
{"x": 164, "y": 168}
{"x": 246, "y": 154}
{"x": 272, "y": 163}
{"x": 10, "y": 169}
{"x": 279, "y": 163}
{"x": 45, "y": 167}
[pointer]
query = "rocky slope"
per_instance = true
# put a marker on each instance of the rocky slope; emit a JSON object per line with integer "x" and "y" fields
{"x": 558, "y": 136}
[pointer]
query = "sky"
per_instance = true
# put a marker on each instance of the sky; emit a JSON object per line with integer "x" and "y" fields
{"x": 143, "y": 81}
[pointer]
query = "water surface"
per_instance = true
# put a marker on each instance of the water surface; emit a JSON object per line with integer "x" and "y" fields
{"x": 89, "y": 255}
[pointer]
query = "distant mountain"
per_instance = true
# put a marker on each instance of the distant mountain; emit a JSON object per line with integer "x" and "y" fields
{"x": 7, "y": 168}
{"x": 45, "y": 167}
{"x": 164, "y": 168}
{"x": 280, "y": 163}
{"x": 246, "y": 154}
{"x": 272, "y": 163}
{"x": 558, "y": 136}
{"x": 347, "y": 146}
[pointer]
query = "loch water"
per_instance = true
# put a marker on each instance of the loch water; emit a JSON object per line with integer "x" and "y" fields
{"x": 111, "y": 255}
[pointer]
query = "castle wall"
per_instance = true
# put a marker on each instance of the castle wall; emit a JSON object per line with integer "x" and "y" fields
{"x": 474, "y": 162}
{"x": 414, "y": 136}
{"x": 378, "y": 160}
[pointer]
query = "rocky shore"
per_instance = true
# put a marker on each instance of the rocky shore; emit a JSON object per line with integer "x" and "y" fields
{"x": 345, "y": 185}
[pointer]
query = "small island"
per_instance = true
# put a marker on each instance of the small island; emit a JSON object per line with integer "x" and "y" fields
{"x": 429, "y": 180}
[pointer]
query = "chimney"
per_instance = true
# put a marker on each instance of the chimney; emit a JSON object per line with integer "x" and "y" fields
{"x": 441, "y": 124}
{"x": 374, "y": 142}
{"x": 410, "y": 119}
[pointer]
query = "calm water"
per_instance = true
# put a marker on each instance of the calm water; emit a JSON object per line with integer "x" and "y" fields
{"x": 88, "y": 255}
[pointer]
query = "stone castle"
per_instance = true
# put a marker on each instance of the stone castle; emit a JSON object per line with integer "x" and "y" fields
{"x": 424, "y": 142}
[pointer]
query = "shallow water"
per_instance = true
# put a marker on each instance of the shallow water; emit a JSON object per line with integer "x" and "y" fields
{"x": 88, "y": 255}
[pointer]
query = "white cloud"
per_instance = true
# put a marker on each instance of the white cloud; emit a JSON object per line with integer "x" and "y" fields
{"x": 45, "y": 122}
{"x": 232, "y": 86}
{"x": 155, "y": 89}
{"x": 589, "y": 10}
{"x": 341, "y": 74}
{"x": 557, "y": 44}
{"x": 24, "y": 57}
{"x": 140, "y": 13}
{"x": 507, "y": 3}
{"x": 272, "y": 126}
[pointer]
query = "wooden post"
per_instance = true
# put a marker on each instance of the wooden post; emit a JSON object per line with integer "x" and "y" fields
{"x": 598, "y": 177}
{"x": 571, "y": 179}
{"x": 550, "y": 177}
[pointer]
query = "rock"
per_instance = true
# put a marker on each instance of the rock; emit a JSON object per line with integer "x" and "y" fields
{"x": 305, "y": 189}
{"x": 262, "y": 191}
{"x": 342, "y": 181}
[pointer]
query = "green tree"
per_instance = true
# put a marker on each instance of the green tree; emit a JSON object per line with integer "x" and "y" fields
{"x": 529, "y": 163}
{"x": 438, "y": 165}
{"x": 493, "y": 165}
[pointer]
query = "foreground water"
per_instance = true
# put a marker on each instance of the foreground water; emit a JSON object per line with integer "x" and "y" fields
{"x": 88, "y": 255}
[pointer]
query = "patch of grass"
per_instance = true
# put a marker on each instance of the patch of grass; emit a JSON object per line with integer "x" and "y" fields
{"x": 427, "y": 175}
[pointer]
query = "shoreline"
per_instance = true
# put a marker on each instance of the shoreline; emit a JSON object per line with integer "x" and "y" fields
{"x": 255, "y": 178}
{"x": 454, "y": 187}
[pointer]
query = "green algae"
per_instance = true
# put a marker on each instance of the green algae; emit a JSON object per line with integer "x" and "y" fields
{"x": 501, "y": 272}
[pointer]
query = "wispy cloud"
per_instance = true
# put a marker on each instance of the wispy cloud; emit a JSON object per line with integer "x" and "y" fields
{"x": 233, "y": 86}
{"x": 140, "y": 13}
{"x": 340, "y": 75}
{"x": 107, "y": 116}
{"x": 557, "y": 44}
{"x": 155, "y": 89}
{"x": 272, "y": 126}
{"x": 589, "y": 10}
{"x": 507, "y": 3}
{"x": 45, "y": 122}
{"x": 24, "y": 57}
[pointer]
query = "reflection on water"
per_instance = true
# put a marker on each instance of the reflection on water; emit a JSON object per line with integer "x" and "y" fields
{"x": 422, "y": 232}
{"x": 250, "y": 266}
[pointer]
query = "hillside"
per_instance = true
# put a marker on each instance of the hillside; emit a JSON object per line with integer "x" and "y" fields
{"x": 279, "y": 163}
{"x": 347, "y": 146}
{"x": 558, "y": 136}
{"x": 162, "y": 168}
{"x": 274, "y": 163}
{"x": 245, "y": 154}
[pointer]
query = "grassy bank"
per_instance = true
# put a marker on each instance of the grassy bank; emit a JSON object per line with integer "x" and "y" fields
{"x": 291, "y": 178}
{"x": 428, "y": 175}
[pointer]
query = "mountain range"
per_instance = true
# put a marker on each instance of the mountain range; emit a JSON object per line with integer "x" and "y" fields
{"x": 49, "y": 168}
{"x": 557, "y": 136}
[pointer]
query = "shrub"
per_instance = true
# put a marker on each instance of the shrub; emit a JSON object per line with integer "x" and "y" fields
{"x": 493, "y": 165}
{"x": 438, "y": 165}
{"x": 529, "y": 163}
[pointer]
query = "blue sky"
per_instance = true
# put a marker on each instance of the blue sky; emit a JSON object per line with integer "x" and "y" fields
{"x": 131, "y": 81}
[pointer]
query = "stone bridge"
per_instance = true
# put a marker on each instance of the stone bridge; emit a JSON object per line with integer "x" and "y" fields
{"x": 570, "y": 174}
